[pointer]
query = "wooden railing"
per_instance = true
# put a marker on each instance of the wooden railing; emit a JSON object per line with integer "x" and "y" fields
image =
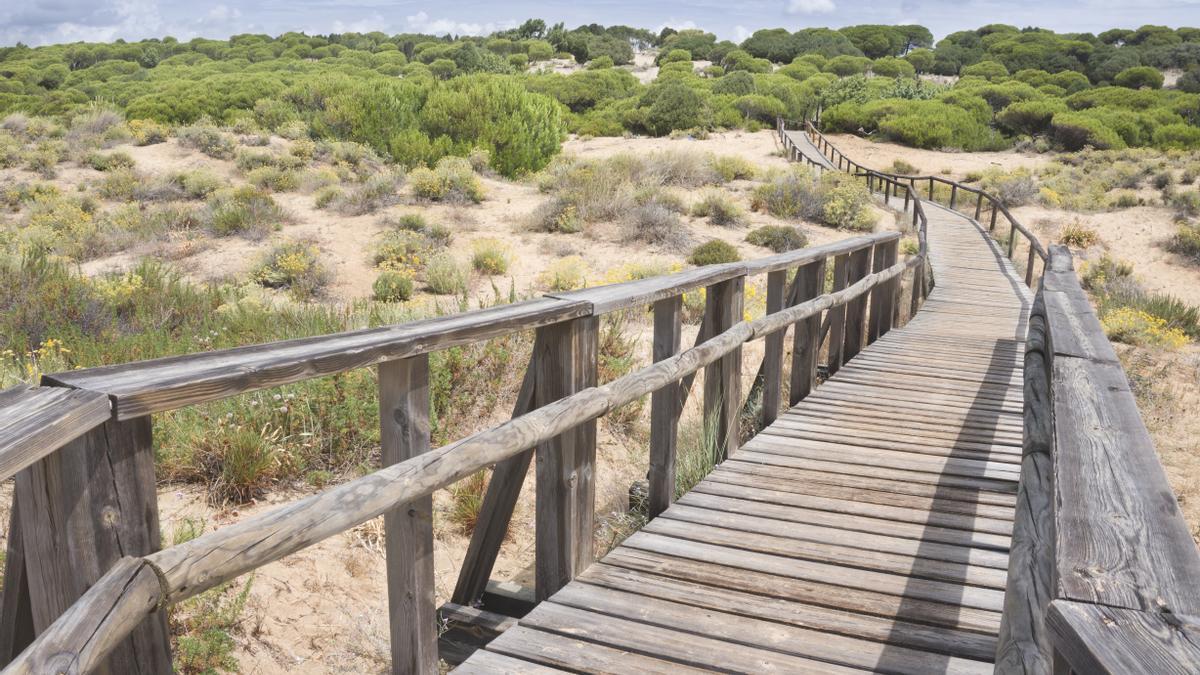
{"x": 86, "y": 575}
{"x": 1103, "y": 574}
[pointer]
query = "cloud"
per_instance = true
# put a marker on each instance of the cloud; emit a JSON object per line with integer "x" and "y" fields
{"x": 423, "y": 23}
{"x": 740, "y": 33}
{"x": 811, "y": 7}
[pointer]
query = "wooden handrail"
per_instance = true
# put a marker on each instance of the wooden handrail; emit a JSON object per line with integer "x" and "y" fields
{"x": 108, "y": 613}
{"x": 36, "y": 421}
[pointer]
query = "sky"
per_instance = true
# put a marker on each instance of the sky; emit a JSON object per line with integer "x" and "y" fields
{"x": 39, "y": 22}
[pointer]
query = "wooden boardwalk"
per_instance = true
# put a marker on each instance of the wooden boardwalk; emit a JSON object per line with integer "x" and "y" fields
{"x": 866, "y": 529}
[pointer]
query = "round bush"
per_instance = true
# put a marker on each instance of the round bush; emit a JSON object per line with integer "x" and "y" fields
{"x": 393, "y": 286}
{"x": 778, "y": 238}
{"x": 1139, "y": 77}
{"x": 714, "y": 252}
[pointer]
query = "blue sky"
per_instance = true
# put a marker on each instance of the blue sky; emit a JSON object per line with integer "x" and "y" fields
{"x": 38, "y": 22}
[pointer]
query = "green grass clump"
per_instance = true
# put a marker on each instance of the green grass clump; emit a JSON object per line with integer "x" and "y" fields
{"x": 371, "y": 195}
{"x": 393, "y": 286}
{"x": 294, "y": 266}
{"x": 732, "y": 167}
{"x": 452, "y": 180}
{"x": 714, "y": 252}
{"x": 107, "y": 161}
{"x": 327, "y": 196}
{"x": 778, "y": 238}
{"x": 1078, "y": 235}
{"x": 1186, "y": 241}
{"x": 273, "y": 178}
{"x": 490, "y": 256}
{"x": 445, "y": 275}
{"x": 207, "y": 139}
{"x": 899, "y": 166}
{"x": 203, "y": 627}
{"x": 718, "y": 208}
{"x": 246, "y": 210}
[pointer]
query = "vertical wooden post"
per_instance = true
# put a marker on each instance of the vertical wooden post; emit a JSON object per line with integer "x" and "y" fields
{"x": 978, "y": 205}
{"x": 1012, "y": 239}
{"x": 1029, "y": 266}
{"x": 16, "y": 619}
{"x": 992, "y": 225}
{"x": 953, "y": 195}
{"x": 665, "y": 407}
{"x": 806, "y": 342}
{"x": 83, "y": 508}
{"x": 723, "y": 377}
{"x": 931, "y": 188}
{"x": 883, "y": 295}
{"x": 907, "y": 198}
{"x": 856, "y": 309}
{"x": 837, "y": 315}
{"x": 408, "y": 528}
{"x": 565, "y": 363}
{"x": 887, "y": 190}
{"x": 773, "y": 350}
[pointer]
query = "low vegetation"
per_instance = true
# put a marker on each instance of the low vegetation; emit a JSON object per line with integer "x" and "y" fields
{"x": 1133, "y": 315}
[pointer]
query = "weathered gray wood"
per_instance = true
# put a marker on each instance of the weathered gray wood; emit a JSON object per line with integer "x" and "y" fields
{"x": 495, "y": 513}
{"x": 1023, "y": 645}
{"x": 773, "y": 351}
{"x": 35, "y": 421}
{"x": 16, "y": 619}
{"x": 408, "y": 528}
{"x": 665, "y": 407}
{"x": 837, "y": 315}
{"x": 722, "y": 380}
{"x": 882, "y": 297}
{"x": 565, "y": 362}
{"x": 1114, "y": 641}
{"x": 173, "y": 382}
{"x": 83, "y": 508}
{"x": 806, "y": 342}
{"x": 493, "y": 663}
{"x": 82, "y": 640}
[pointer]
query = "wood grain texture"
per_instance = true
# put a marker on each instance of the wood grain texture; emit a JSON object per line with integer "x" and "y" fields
{"x": 35, "y": 421}
{"x": 772, "y": 381}
{"x": 408, "y": 528}
{"x": 16, "y": 617}
{"x": 165, "y": 384}
{"x": 565, "y": 362}
{"x": 837, "y": 315}
{"x": 83, "y": 508}
{"x": 1113, "y": 641}
{"x": 722, "y": 380}
{"x": 806, "y": 342}
{"x": 665, "y": 408}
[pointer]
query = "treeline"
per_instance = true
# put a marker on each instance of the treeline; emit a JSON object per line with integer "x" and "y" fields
{"x": 416, "y": 98}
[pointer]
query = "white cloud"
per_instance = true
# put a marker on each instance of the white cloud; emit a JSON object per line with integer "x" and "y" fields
{"x": 423, "y": 23}
{"x": 740, "y": 33}
{"x": 810, "y": 7}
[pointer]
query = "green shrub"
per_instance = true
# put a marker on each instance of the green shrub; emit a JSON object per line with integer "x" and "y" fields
{"x": 374, "y": 193}
{"x": 274, "y": 179}
{"x": 1078, "y": 235}
{"x": 453, "y": 180}
{"x": 718, "y": 208}
{"x": 208, "y": 140}
{"x": 1139, "y": 77}
{"x": 1186, "y": 242}
{"x": 490, "y": 256}
{"x": 326, "y": 196}
{"x": 787, "y": 195}
{"x": 393, "y": 286}
{"x": 1162, "y": 180}
{"x": 102, "y": 161}
{"x": 732, "y": 167}
{"x": 778, "y": 238}
{"x": 564, "y": 274}
{"x": 294, "y": 266}
{"x": 989, "y": 70}
{"x": 903, "y": 168}
{"x": 445, "y": 275}
{"x": 246, "y": 210}
{"x": 714, "y": 252}
{"x": 1073, "y": 131}
{"x": 1186, "y": 204}
{"x": 1012, "y": 188}
{"x": 1030, "y": 117}
{"x": 846, "y": 203}
{"x": 147, "y": 132}
{"x": 556, "y": 215}
{"x": 119, "y": 184}
{"x": 401, "y": 249}
{"x": 655, "y": 224}
{"x": 199, "y": 183}
{"x": 1177, "y": 136}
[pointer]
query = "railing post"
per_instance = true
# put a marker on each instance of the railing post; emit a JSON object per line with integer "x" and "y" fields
{"x": 83, "y": 508}
{"x": 882, "y": 296}
{"x": 907, "y": 197}
{"x": 1029, "y": 265}
{"x": 837, "y": 315}
{"x": 953, "y": 195}
{"x": 665, "y": 407}
{"x": 773, "y": 350}
{"x": 408, "y": 529}
{"x": 931, "y": 188}
{"x": 1012, "y": 239}
{"x": 565, "y": 363}
{"x": 806, "y": 341}
{"x": 722, "y": 378}
{"x": 887, "y": 190}
{"x": 856, "y": 309}
{"x": 978, "y": 205}
{"x": 992, "y": 225}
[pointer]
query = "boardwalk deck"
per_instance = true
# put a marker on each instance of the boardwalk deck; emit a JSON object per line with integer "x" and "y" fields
{"x": 866, "y": 529}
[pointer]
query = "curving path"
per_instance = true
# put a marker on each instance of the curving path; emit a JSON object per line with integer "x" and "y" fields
{"x": 866, "y": 529}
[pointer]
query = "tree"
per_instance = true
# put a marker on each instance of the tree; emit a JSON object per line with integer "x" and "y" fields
{"x": 1139, "y": 77}
{"x": 915, "y": 37}
{"x": 876, "y": 41}
{"x": 828, "y": 43}
{"x": 774, "y": 44}
{"x": 988, "y": 70}
{"x": 921, "y": 59}
{"x": 671, "y": 106}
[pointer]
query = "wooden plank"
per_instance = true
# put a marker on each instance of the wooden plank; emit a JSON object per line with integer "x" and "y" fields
{"x": 806, "y": 341}
{"x": 722, "y": 379}
{"x": 772, "y": 396}
{"x": 83, "y": 508}
{"x": 1111, "y": 640}
{"x": 737, "y": 632}
{"x": 408, "y": 528}
{"x": 665, "y": 407}
{"x": 565, "y": 362}
{"x": 35, "y": 421}
{"x": 16, "y": 618}
{"x": 883, "y": 298}
{"x": 177, "y": 381}
{"x": 938, "y": 640}
{"x": 760, "y": 578}
{"x": 492, "y": 663}
{"x": 495, "y": 513}
{"x": 578, "y": 654}
{"x": 692, "y": 650}
{"x": 1122, "y": 540}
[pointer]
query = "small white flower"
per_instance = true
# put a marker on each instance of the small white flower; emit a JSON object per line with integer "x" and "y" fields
{"x": 283, "y": 408}
{"x": 278, "y": 397}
